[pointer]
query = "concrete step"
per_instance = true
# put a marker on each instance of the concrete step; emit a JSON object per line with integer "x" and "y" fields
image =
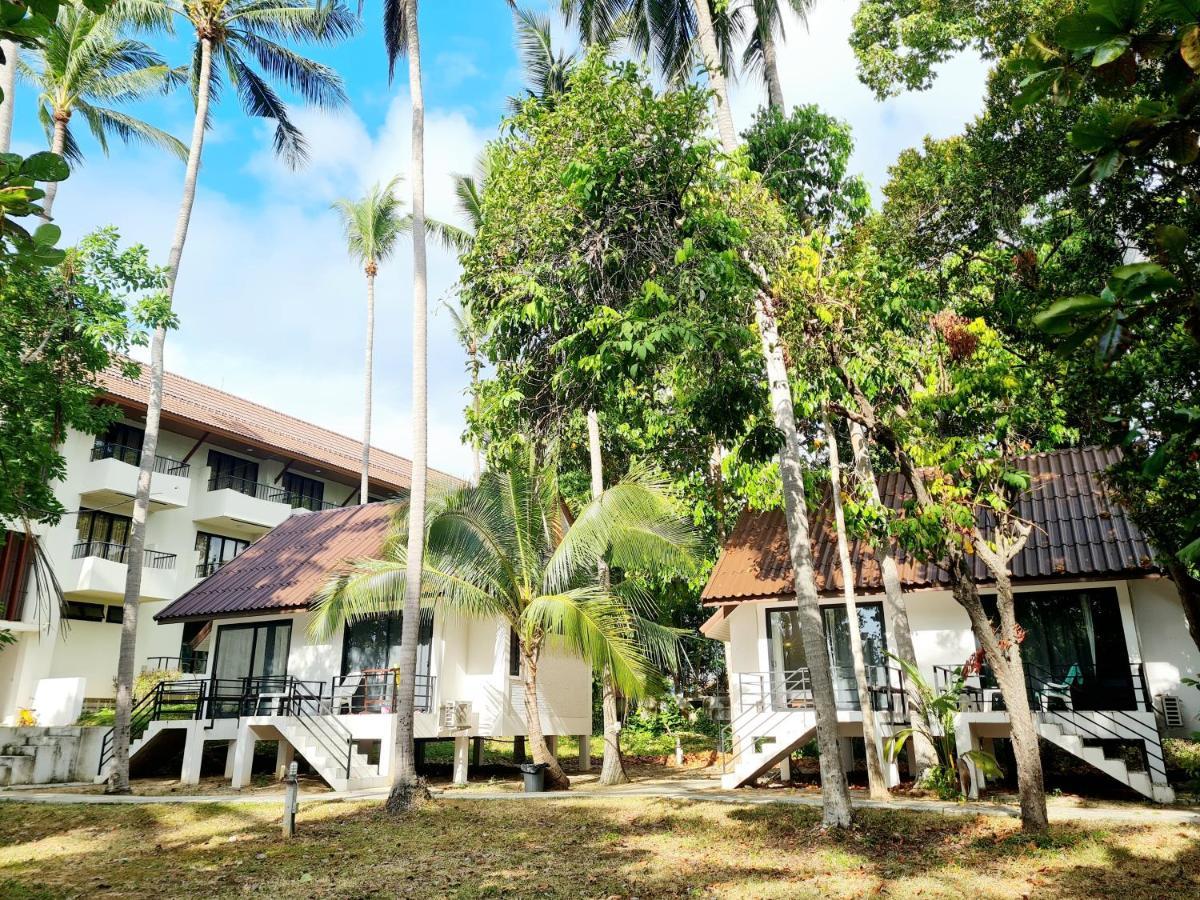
{"x": 17, "y": 769}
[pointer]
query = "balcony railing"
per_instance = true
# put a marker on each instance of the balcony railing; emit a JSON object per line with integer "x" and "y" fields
{"x": 1071, "y": 686}
{"x": 271, "y": 492}
{"x": 207, "y": 568}
{"x": 195, "y": 663}
{"x": 792, "y": 689}
{"x": 163, "y": 465}
{"x": 119, "y": 553}
{"x": 375, "y": 691}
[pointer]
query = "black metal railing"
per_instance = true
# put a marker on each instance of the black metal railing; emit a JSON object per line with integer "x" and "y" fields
{"x": 194, "y": 663}
{"x": 330, "y": 735}
{"x": 271, "y": 492}
{"x": 119, "y": 553}
{"x": 1076, "y": 686}
{"x": 163, "y": 465}
{"x": 792, "y": 689}
{"x": 169, "y": 700}
{"x": 376, "y": 691}
{"x": 204, "y": 569}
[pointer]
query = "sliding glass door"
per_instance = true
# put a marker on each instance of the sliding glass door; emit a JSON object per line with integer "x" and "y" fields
{"x": 249, "y": 659}
{"x": 789, "y": 669}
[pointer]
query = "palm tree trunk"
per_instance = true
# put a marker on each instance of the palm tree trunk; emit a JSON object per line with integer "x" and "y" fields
{"x": 897, "y": 608}
{"x": 716, "y": 75}
{"x": 368, "y": 374}
{"x": 119, "y": 780}
{"x": 835, "y": 795}
{"x": 8, "y": 84}
{"x": 56, "y": 146}
{"x": 771, "y": 66}
{"x": 556, "y": 778}
{"x": 875, "y": 777}
{"x": 476, "y": 452}
{"x": 406, "y": 790}
{"x": 612, "y": 771}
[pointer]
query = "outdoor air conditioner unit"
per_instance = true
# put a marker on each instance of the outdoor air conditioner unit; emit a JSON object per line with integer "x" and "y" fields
{"x": 1172, "y": 710}
{"x": 456, "y": 715}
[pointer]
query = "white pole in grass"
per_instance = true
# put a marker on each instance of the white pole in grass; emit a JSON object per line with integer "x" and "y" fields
{"x": 291, "y": 802}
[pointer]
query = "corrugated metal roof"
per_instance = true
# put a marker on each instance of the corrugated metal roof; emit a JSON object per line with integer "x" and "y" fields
{"x": 217, "y": 411}
{"x": 282, "y": 570}
{"x": 1079, "y": 532}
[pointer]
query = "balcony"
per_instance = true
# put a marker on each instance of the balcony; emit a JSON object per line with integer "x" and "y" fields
{"x": 98, "y": 568}
{"x": 247, "y": 507}
{"x": 109, "y": 481}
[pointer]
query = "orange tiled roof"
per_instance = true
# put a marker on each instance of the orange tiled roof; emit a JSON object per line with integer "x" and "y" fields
{"x": 1079, "y": 532}
{"x": 226, "y": 414}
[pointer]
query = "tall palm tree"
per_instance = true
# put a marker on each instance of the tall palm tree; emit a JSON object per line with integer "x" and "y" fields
{"x": 761, "y": 55}
{"x": 372, "y": 224}
{"x": 8, "y": 84}
{"x": 402, "y": 38}
{"x": 238, "y": 35}
{"x": 546, "y": 70}
{"x": 84, "y": 62}
{"x": 501, "y": 550}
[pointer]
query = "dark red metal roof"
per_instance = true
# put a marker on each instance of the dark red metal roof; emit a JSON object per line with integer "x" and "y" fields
{"x": 1079, "y": 532}
{"x": 282, "y": 570}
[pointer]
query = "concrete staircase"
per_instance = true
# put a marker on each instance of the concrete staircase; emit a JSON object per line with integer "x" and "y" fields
{"x": 39, "y": 758}
{"x": 326, "y": 755}
{"x": 1060, "y": 732}
{"x": 762, "y": 738}
{"x": 153, "y": 730}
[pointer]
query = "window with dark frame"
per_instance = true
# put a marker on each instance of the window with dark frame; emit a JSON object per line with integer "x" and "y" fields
{"x": 374, "y": 643}
{"x": 514, "y": 653}
{"x": 16, "y": 559}
{"x": 120, "y": 441}
{"x": 216, "y": 550}
{"x": 304, "y": 492}
{"x": 95, "y": 527}
{"x": 232, "y": 472}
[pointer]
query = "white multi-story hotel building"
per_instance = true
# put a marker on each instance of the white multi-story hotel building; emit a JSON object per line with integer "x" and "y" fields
{"x": 227, "y": 472}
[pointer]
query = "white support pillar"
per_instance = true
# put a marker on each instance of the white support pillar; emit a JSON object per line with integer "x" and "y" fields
{"x": 230, "y": 753}
{"x": 193, "y": 750}
{"x": 243, "y": 759}
{"x": 847, "y": 749}
{"x": 284, "y": 754}
{"x": 585, "y": 753}
{"x": 965, "y": 741}
{"x": 462, "y": 754}
{"x": 552, "y": 744}
{"x": 785, "y": 769}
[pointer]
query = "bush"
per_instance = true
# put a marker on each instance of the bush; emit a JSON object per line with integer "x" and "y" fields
{"x": 1184, "y": 756}
{"x": 148, "y": 679}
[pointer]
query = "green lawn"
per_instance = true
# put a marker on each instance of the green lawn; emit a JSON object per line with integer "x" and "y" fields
{"x": 576, "y": 847}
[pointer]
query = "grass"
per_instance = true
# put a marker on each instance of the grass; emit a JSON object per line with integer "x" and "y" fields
{"x": 574, "y": 847}
{"x": 632, "y": 745}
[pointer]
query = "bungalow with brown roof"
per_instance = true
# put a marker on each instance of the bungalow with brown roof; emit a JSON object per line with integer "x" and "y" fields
{"x": 1105, "y": 652}
{"x": 332, "y": 702}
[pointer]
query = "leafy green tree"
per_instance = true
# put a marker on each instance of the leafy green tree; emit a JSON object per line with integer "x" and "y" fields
{"x": 85, "y": 64}
{"x": 239, "y": 36}
{"x": 501, "y": 550}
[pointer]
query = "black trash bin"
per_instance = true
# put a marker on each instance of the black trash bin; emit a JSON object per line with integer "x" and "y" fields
{"x": 535, "y": 777}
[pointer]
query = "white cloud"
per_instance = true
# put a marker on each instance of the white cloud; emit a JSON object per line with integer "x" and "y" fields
{"x": 271, "y": 307}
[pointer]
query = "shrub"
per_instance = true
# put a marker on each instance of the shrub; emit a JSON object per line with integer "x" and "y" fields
{"x": 1184, "y": 756}
{"x": 148, "y": 679}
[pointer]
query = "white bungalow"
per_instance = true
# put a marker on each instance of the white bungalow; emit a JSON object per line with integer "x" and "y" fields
{"x": 1106, "y": 650}
{"x": 332, "y": 702}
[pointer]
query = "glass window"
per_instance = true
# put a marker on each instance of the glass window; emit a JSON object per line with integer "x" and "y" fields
{"x": 374, "y": 643}
{"x": 102, "y": 527}
{"x": 216, "y": 550}
{"x": 231, "y": 472}
{"x": 120, "y": 441}
{"x": 86, "y": 612}
{"x": 837, "y": 637}
{"x": 514, "y": 653}
{"x": 304, "y": 492}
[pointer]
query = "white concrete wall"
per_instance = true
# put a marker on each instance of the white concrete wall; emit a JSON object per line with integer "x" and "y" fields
{"x": 89, "y": 649}
{"x": 1167, "y": 649}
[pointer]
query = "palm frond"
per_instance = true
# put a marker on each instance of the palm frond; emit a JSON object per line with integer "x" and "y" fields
{"x": 395, "y": 32}
{"x": 316, "y": 83}
{"x": 258, "y": 99}
{"x": 130, "y": 130}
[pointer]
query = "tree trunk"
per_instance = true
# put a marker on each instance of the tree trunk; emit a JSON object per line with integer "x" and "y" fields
{"x": 8, "y": 84}
{"x": 56, "y": 146}
{"x": 716, "y": 75}
{"x": 897, "y": 608}
{"x": 119, "y": 780}
{"x": 556, "y": 778}
{"x": 368, "y": 378}
{"x": 1003, "y": 653}
{"x": 1189, "y": 596}
{"x": 834, "y": 793}
{"x": 406, "y": 790}
{"x": 476, "y": 454}
{"x": 771, "y": 66}
{"x": 875, "y": 776}
{"x": 613, "y": 769}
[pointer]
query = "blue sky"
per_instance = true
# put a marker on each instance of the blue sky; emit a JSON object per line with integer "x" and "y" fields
{"x": 273, "y": 310}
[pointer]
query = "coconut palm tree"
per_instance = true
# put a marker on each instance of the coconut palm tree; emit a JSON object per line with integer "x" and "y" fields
{"x": 761, "y": 55}
{"x": 234, "y": 39}
{"x": 84, "y": 64}
{"x": 8, "y": 84}
{"x": 372, "y": 224}
{"x": 546, "y": 70}
{"x": 502, "y": 550}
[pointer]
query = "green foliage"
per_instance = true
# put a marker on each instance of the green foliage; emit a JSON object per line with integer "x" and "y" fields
{"x": 20, "y": 248}
{"x": 59, "y": 327}
{"x": 803, "y": 158}
{"x": 148, "y": 679}
{"x": 1184, "y": 756}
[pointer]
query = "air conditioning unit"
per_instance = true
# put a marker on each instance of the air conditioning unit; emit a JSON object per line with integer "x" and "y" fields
{"x": 455, "y": 715}
{"x": 1172, "y": 710}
